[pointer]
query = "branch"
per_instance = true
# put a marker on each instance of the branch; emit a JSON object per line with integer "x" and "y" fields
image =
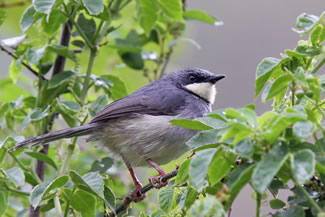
{"x": 4, "y": 4}
{"x": 169, "y": 53}
{"x": 127, "y": 201}
{"x": 24, "y": 64}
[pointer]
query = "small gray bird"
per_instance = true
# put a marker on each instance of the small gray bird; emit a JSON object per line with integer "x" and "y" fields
{"x": 137, "y": 127}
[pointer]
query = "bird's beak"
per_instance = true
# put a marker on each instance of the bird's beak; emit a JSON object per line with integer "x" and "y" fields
{"x": 215, "y": 78}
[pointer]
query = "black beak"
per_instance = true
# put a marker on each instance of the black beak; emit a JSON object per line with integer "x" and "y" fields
{"x": 213, "y": 79}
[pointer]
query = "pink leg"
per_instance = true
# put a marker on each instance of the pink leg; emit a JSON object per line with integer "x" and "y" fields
{"x": 155, "y": 180}
{"x": 136, "y": 195}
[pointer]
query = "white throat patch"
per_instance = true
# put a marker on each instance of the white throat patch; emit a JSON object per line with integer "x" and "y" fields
{"x": 205, "y": 90}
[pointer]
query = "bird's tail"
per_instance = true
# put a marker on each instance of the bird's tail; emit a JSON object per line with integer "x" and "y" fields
{"x": 60, "y": 134}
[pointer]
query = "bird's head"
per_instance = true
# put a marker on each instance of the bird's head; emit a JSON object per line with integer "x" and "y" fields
{"x": 197, "y": 81}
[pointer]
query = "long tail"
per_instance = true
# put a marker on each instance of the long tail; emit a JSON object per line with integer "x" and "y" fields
{"x": 65, "y": 133}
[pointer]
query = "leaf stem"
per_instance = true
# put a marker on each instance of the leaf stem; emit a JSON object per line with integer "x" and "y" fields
{"x": 15, "y": 191}
{"x": 93, "y": 53}
{"x": 66, "y": 211}
{"x": 258, "y": 204}
{"x": 320, "y": 64}
{"x": 58, "y": 206}
{"x": 306, "y": 194}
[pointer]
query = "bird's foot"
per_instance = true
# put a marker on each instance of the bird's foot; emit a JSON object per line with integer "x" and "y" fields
{"x": 157, "y": 182}
{"x": 136, "y": 196}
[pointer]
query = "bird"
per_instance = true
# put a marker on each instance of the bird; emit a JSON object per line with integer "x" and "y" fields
{"x": 137, "y": 128}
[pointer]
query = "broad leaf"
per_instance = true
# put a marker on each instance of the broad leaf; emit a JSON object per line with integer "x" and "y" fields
{"x": 277, "y": 204}
{"x": 14, "y": 71}
{"x": 305, "y": 22}
{"x": 98, "y": 105}
{"x": 13, "y": 42}
{"x": 269, "y": 166}
{"x": 88, "y": 26}
{"x": 303, "y": 165}
{"x": 54, "y": 21}
{"x": 148, "y": 12}
{"x": 43, "y": 6}
{"x": 40, "y": 190}
{"x": 84, "y": 203}
{"x": 133, "y": 60}
{"x": 91, "y": 182}
{"x": 293, "y": 211}
{"x": 102, "y": 166}
{"x": 94, "y": 7}
{"x": 173, "y": 9}
{"x": 16, "y": 175}
{"x": 190, "y": 124}
{"x": 303, "y": 129}
{"x": 63, "y": 51}
{"x": 59, "y": 79}
{"x": 182, "y": 174}
{"x": 220, "y": 165}
{"x": 27, "y": 18}
{"x": 203, "y": 138}
{"x": 199, "y": 168}
{"x": 166, "y": 198}
{"x": 4, "y": 196}
{"x": 280, "y": 84}
{"x": 42, "y": 157}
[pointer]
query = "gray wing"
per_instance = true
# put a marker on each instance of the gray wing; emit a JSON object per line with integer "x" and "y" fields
{"x": 147, "y": 100}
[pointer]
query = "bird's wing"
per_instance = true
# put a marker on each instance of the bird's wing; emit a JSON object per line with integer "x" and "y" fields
{"x": 166, "y": 101}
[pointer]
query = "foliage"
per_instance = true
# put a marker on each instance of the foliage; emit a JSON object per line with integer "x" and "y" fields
{"x": 70, "y": 46}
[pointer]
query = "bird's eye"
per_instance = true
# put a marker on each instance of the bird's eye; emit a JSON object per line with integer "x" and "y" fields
{"x": 192, "y": 78}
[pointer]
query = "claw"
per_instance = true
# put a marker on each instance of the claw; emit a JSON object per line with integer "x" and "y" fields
{"x": 136, "y": 196}
{"x": 156, "y": 180}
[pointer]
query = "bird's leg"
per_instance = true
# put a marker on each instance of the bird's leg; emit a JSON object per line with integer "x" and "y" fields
{"x": 156, "y": 180}
{"x": 136, "y": 195}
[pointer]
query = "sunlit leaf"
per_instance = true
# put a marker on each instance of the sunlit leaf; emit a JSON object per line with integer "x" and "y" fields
{"x": 202, "y": 16}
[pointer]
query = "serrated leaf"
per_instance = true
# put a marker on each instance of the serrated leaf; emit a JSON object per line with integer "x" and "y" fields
{"x": 43, "y": 6}
{"x": 63, "y": 51}
{"x": 94, "y": 7}
{"x": 269, "y": 166}
{"x": 148, "y": 12}
{"x": 59, "y": 79}
{"x": 303, "y": 165}
{"x": 40, "y": 190}
{"x": 42, "y": 157}
{"x": 27, "y": 18}
{"x": 166, "y": 198}
{"x": 84, "y": 203}
{"x": 16, "y": 175}
{"x": 190, "y": 124}
{"x": 199, "y": 168}
{"x": 264, "y": 71}
{"x": 202, "y": 16}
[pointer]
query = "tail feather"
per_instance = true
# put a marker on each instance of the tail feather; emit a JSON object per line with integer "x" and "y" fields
{"x": 60, "y": 134}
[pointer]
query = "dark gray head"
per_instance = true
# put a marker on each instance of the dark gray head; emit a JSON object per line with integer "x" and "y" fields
{"x": 197, "y": 81}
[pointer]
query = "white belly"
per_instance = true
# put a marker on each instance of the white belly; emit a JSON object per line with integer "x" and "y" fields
{"x": 145, "y": 137}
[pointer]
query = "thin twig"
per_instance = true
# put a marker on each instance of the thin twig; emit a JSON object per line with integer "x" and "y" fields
{"x": 24, "y": 64}
{"x": 4, "y": 4}
{"x": 127, "y": 201}
{"x": 169, "y": 53}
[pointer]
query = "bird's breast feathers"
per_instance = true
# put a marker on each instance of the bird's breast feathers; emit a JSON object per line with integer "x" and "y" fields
{"x": 204, "y": 90}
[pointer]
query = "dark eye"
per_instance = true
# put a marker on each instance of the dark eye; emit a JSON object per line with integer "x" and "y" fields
{"x": 192, "y": 78}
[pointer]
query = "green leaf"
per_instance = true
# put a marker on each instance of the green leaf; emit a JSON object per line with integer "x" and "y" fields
{"x": 118, "y": 89}
{"x": 199, "y": 168}
{"x": 303, "y": 165}
{"x": 202, "y": 16}
{"x": 3, "y": 153}
{"x": 264, "y": 71}
{"x": 280, "y": 84}
{"x": 109, "y": 196}
{"x": 182, "y": 174}
{"x": 2, "y": 19}
{"x": 190, "y": 124}
{"x": 71, "y": 106}
{"x": 88, "y": 26}
{"x": 220, "y": 165}
{"x": 63, "y": 51}
{"x": 34, "y": 56}
{"x": 16, "y": 175}
{"x": 54, "y": 21}
{"x": 148, "y": 12}
{"x": 293, "y": 211}
{"x": 303, "y": 129}
{"x": 42, "y": 157}
{"x": 43, "y": 6}
{"x": 133, "y": 60}
{"x": 306, "y": 22}
{"x": 277, "y": 204}
{"x": 94, "y": 7}
{"x": 14, "y": 71}
{"x": 40, "y": 190}
{"x": 4, "y": 196}
{"x": 13, "y": 42}
{"x": 27, "y": 18}
{"x": 98, "y": 105}
{"x": 173, "y": 9}
{"x": 84, "y": 203}
{"x": 269, "y": 166}
{"x": 244, "y": 149}
{"x": 206, "y": 207}
{"x": 59, "y": 79}
{"x": 316, "y": 37}
{"x": 37, "y": 114}
{"x": 203, "y": 138}
{"x": 191, "y": 195}
{"x": 102, "y": 166}
{"x": 166, "y": 198}
{"x": 91, "y": 182}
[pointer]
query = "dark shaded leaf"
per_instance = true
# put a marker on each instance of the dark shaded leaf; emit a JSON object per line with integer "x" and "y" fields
{"x": 102, "y": 166}
{"x": 133, "y": 60}
{"x": 277, "y": 204}
{"x": 88, "y": 26}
